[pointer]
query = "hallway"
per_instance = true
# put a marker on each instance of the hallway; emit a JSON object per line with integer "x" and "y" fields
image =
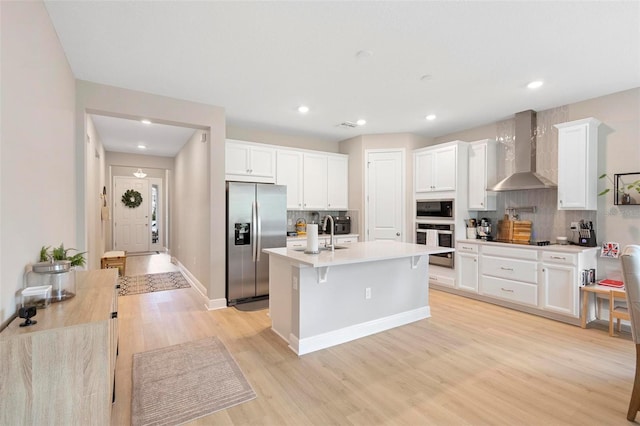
{"x": 140, "y": 264}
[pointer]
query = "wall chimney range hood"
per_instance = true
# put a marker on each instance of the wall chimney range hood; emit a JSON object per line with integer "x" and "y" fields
{"x": 525, "y": 176}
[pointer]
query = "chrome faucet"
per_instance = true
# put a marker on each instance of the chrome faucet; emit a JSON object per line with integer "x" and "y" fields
{"x": 324, "y": 229}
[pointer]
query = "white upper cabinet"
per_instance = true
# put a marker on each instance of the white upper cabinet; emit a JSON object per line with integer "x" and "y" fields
{"x": 337, "y": 182}
{"x": 250, "y": 162}
{"x": 315, "y": 181}
{"x": 435, "y": 169}
{"x": 482, "y": 175}
{"x": 289, "y": 173}
{"x": 578, "y": 164}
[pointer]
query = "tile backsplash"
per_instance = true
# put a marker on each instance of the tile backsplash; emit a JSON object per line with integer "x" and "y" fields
{"x": 548, "y": 221}
{"x": 318, "y": 217}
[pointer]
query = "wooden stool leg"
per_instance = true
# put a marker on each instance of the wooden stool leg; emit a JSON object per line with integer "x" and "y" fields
{"x": 611, "y": 304}
{"x": 634, "y": 404}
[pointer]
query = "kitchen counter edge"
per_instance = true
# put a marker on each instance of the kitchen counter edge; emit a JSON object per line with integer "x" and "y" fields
{"x": 551, "y": 247}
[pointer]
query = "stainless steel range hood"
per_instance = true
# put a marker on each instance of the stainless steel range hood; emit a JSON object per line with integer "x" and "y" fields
{"x": 525, "y": 176}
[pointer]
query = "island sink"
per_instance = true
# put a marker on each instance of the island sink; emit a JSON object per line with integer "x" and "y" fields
{"x": 321, "y": 249}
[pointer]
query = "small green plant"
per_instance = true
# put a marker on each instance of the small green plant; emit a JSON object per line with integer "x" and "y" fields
{"x": 61, "y": 253}
{"x": 623, "y": 189}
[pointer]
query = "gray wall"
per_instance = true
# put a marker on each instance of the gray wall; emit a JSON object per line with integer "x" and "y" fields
{"x": 37, "y": 159}
{"x": 190, "y": 208}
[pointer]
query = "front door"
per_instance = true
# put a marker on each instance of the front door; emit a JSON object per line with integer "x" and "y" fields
{"x": 385, "y": 195}
{"x": 131, "y": 224}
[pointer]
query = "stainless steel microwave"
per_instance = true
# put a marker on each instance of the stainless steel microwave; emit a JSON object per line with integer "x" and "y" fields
{"x": 434, "y": 209}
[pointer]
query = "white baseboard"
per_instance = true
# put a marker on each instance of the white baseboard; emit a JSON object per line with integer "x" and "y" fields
{"x": 343, "y": 335}
{"x": 210, "y": 304}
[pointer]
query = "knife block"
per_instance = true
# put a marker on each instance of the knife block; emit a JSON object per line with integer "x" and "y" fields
{"x": 587, "y": 238}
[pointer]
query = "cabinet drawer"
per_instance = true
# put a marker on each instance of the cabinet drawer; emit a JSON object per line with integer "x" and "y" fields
{"x": 516, "y": 253}
{"x": 513, "y": 269}
{"x": 346, "y": 240}
{"x": 302, "y": 243}
{"x": 557, "y": 257}
{"x": 441, "y": 280}
{"x": 467, "y": 248}
{"x": 526, "y": 294}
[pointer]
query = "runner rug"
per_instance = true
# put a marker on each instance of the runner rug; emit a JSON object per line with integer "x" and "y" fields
{"x": 152, "y": 282}
{"x": 180, "y": 383}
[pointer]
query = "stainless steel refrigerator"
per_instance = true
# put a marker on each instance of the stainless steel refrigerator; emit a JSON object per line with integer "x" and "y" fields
{"x": 256, "y": 219}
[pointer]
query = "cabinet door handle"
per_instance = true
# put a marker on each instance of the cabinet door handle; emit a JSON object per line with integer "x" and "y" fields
{"x": 506, "y": 269}
{"x": 466, "y": 248}
{"x": 506, "y": 290}
{"x": 559, "y": 257}
{"x": 397, "y": 234}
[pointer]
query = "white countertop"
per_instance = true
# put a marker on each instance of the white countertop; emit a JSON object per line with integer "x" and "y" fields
{"x": 369, "y": 251}
{"x": 569, "y": 248}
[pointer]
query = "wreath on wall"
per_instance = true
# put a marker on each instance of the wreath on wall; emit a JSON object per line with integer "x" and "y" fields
{"x": 131, "y": 198}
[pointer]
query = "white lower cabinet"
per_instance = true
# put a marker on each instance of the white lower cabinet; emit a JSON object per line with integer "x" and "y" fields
{"x": 560, "y": 289}
{"x": 513, "y": 291}
{"x": 467, "y": 267}
{"x": 540, "y": 280}
{"x": 560, "y": 283}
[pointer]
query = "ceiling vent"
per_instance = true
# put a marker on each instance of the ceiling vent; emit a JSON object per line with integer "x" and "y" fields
{"x": 347, "y": 125}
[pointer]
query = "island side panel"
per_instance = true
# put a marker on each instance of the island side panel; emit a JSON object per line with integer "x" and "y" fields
{"x": 280, "y": 287}
{"x": 337, "y": 310}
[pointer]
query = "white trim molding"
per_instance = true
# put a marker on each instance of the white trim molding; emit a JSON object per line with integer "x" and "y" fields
{"x": 210, "y": 304}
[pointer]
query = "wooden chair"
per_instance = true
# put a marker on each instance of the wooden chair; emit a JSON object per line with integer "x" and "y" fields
{"x": 617, "y": 312}
{"x": 631, "y": 277}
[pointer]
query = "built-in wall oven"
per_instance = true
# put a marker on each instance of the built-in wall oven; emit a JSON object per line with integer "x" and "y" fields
{"x": 434, "y": 209}
{"x": 440, "y": 234}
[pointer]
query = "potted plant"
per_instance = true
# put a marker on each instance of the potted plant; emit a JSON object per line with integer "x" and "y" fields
{"x": 623, "y": 189}
{"x": 61, "y": 253}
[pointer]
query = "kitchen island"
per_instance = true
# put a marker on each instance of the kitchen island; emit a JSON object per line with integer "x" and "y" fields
{"x": 321, "y": 300}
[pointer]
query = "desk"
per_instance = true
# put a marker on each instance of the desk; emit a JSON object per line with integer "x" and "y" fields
{"x": 596, "y": 289}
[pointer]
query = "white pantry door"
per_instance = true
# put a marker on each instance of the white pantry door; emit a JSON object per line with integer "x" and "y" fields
{"x": 131, "y": 225}
{"x": 385, "y": 195}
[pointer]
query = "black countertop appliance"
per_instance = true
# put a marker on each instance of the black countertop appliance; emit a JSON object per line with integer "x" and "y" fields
{"x": 341, "y": 225}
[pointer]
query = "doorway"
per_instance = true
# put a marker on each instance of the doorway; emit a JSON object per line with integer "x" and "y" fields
{"x": 385, "y": 195}
{"x": 132, "y": 211}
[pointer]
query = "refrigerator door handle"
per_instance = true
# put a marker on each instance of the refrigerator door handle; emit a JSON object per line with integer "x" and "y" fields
{"x": 259, "y": 232}
{"x": 254, "y": 222}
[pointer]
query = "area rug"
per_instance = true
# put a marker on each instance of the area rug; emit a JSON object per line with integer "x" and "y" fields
{"x": 180, "y": 383}
{"x": 152, "y": 282}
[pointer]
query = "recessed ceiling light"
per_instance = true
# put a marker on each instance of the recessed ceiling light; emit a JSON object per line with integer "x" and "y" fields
{"x": 361, "y": 122}
{"x": 145, "y": 121}
{"x": 303, "y": 109}
{"x": 141, "y": 146}
{"x": 363, "y": 54}
{"x": 535, "y": 84}
{"x": 431, "y": 117}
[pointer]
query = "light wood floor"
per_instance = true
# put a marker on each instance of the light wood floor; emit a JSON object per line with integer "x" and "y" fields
{"x": 471, "y": 363}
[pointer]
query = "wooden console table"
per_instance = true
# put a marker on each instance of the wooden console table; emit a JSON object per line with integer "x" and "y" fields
{"x": 61, "y": 370}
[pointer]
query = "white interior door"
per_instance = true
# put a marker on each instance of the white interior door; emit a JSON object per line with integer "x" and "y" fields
{"x": 385, "y": 197}
{"x": 131, "y": 225}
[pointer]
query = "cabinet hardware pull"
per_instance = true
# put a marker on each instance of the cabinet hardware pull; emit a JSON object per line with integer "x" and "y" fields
{"x": 559, "y": 257}
{"x": 506, "y": 269}
{"x": 506, "y": 289}
{"x": 466, "y": 248}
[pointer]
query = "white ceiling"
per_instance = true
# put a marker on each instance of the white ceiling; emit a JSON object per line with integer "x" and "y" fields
{"x": 261, "y": 60}
{"x": 123, "y": 135}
